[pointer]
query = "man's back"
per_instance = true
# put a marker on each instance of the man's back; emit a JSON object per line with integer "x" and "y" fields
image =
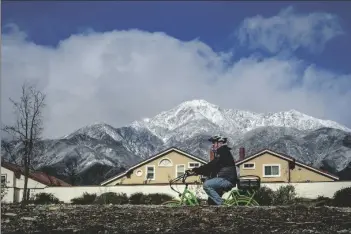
{"x": 226, "y": 164}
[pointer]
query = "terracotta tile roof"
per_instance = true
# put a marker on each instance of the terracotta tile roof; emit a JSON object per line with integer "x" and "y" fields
{"x": 38, "y": 176}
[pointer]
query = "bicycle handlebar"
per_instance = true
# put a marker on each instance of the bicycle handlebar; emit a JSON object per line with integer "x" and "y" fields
{"x": 181, "y": 177}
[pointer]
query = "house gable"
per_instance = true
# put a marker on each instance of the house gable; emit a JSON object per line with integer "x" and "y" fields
{"x": 37, "y": 176}
{"x": 278, "y": 168}
{"x": 306, "y": 170}
{"x": 164, "y": 163}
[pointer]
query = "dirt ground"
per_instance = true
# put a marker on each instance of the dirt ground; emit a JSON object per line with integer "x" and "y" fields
{"x": 156, "y": 219}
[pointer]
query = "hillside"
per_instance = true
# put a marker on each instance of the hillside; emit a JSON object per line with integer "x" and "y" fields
{"x": 99, "y": 151}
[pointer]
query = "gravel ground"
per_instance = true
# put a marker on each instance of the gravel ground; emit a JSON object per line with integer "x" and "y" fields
{"x": 156, "y": 219}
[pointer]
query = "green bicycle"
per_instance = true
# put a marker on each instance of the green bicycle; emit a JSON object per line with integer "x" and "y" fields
{"x": 243, "y": 196}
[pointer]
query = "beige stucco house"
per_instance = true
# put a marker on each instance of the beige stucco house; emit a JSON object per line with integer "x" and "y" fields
{"x": 271, "y": 166}
{"x": 158, "y": 169}
{"x": 12, "y": 182}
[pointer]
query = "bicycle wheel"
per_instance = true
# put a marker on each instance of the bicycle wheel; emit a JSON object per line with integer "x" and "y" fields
{"x": 171, "y": 203}
{"x": 242, "y": 201}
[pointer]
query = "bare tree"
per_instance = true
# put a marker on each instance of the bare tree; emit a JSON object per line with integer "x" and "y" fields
{"x": 71, "y": 167}
{"x": 27, "y": 128}
{"x": 8, "y": 151}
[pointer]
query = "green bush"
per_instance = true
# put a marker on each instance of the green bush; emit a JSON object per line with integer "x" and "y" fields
{"x": 303, "y": 201}
{"x": 45, "y": 198}
{"x": 156, "y": 198}
{"x": 323, "y": 201}
{"x": 149, "y": 199}
{"x": 85, "y": 199}
{"x": 285, "y": 195}
{"x": 342, "y": 197}
{"x": 112, "y": 198}
{"x": 264, "y": 196}
{"x": 137, "y": 198}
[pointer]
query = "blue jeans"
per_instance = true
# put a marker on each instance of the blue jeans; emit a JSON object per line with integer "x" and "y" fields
{"x": 215, "y": 185}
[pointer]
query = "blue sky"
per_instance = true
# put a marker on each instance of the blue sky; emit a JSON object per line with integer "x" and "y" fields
{"x": 308, "y": 61}
{"x": 47, "y": 23}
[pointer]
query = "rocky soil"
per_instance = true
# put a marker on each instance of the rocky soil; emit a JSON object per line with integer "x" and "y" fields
{"x": 156, "y": 219}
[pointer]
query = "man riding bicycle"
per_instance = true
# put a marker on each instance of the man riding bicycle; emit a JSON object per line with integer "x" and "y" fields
{"x": 221, "y": 171}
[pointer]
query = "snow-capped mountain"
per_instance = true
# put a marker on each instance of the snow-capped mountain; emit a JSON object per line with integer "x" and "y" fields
{"x": 169, "y": 123}
{"x": 101, "y": 150}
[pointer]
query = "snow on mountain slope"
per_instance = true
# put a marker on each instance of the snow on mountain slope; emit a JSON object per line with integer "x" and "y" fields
{"x": 97, "y": 131}
{"x": 317, "y": 147}
{"x": 231, "y": 121}
{"x": 187, "y": 126}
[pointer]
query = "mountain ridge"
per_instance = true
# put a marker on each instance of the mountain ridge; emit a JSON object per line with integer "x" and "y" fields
{"x": 187, "y": 127}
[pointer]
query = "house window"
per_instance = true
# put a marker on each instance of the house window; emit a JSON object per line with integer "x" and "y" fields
{"x": 150, "y": 172}
{"x": 271, "y": 170}
{"x": 165, "y": 163}
{"x": 180, "y": 170}
{"x": 249, "y": 166}
{"x": 3, "y": 180}
{"x": 193, "y": 165}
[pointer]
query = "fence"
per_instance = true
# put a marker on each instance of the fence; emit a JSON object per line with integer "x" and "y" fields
{"x": 65, "y": 194}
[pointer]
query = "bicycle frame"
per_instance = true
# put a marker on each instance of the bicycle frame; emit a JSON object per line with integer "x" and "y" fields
{"x": 245, "y": 192}
{"x": 236, "y": 197}
{"x": 186, "y": 197}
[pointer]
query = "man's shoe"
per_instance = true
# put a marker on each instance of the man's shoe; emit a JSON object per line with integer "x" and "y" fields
{"x": 210, "y": 202}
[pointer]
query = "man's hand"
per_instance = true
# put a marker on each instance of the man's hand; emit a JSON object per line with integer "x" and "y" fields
{"x": 195, "y": 170}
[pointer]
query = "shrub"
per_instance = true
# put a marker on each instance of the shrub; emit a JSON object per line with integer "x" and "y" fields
{"x": 303, "y": 201}
{"x": 137, "y": 198}
{"x": 342, "y": 197}
{"x": 284, "y": 195}
{"x": 45, "y": 198}
{"x": 149, "y": 199}
{"x": 323, "y": 201}
{"x": 3, "y": 191}
{"x": 264, "y": 196}
{"x": 112, "y": 198}
{"x": 85, "y": 199}
{"x": 156, "y": 198}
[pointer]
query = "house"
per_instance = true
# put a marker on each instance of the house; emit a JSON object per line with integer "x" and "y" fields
{"x": 271, "y": 166}
{"x": 158, "y": 169}
{"x": 12, "y": 179}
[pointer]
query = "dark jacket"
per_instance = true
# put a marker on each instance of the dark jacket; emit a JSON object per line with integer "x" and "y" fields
{"x": 222, "y": 166}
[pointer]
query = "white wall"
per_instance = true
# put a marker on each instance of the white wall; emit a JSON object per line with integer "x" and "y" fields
{"x": 33, "y": 186}
{"x": 15, "y": 185}
{"x": 308, "y": 190}
{"x": 313, "y": 189}
{"x": 9, "y": 191}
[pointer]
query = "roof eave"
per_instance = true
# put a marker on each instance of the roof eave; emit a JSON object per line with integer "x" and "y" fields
{"x": 151, "y": 159}
{"x": 238, "y": 163}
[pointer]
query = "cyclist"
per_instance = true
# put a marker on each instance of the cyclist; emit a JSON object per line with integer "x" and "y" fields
{"x": 214, "y": 146}
{"x": 222, "y": 169}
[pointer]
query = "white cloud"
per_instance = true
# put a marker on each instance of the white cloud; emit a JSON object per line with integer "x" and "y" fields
{"x": 289, "y": 31}
{"x": 120, "y": 76}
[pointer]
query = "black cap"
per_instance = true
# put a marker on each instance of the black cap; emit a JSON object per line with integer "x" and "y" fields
{"x": 222, "y": 139}
{"x": 214, "y": 138}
